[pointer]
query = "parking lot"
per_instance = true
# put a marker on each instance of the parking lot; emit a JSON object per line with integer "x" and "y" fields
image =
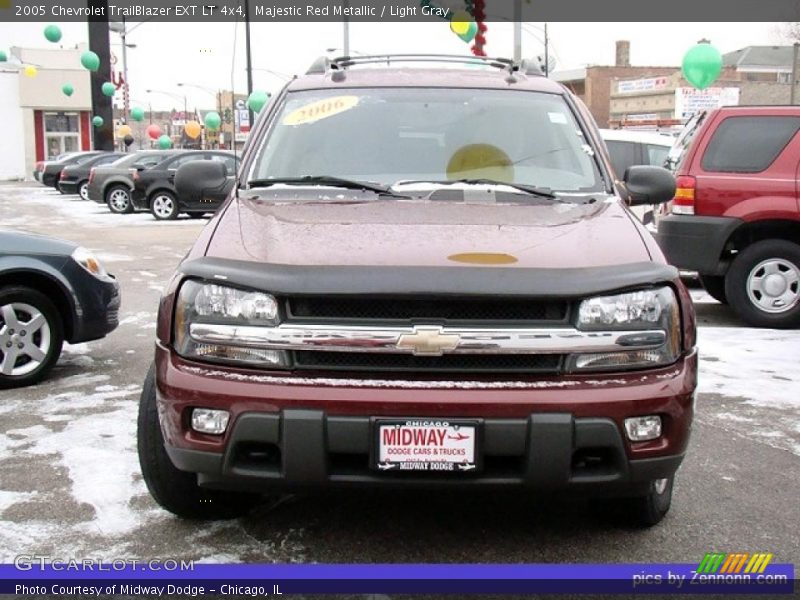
{"x": 71, "y": 487}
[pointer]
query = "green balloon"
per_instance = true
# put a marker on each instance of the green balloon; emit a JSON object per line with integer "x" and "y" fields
{"x": 212, "y": 121}
{"x": 3, "y": 56}
{"x": 67, "y": 89}
{"x": 164, "y": 142}
{"x": 108, "y": 89}
{"x": 52, "y": 33}
{"x": 90, "y": 60}
{"x": 702, "y": 65}
{"x": 137, "y": 114}
{"x": 257, "y": 100}
{"x": 97, "y": 121}
{"x": 470, "y": 33}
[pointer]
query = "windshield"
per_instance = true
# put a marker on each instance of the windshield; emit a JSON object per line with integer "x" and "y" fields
{"x": 388, "y": 135}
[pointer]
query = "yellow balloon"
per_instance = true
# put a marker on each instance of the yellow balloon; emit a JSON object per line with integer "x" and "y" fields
{"x": 193, "y": 129}
{"x": 459, "y": 23}
{"x": 30, "y": 71}
{"x": 124, "y": 130}
{"x": 480, "y": 161}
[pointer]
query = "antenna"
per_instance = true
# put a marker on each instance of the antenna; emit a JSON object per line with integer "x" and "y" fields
{"x": 233, "y": 108}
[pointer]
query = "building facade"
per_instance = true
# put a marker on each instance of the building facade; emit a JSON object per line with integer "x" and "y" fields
{"x": 43, "y": 121}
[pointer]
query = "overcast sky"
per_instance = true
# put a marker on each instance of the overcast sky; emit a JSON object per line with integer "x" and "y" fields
{"x": 203, "y": 54}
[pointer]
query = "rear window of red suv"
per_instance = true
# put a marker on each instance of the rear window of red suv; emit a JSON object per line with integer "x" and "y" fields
{"x": 748, "y": 144}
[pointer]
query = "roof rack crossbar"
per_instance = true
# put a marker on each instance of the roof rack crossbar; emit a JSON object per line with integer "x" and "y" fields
{"x": 324, "y": 64}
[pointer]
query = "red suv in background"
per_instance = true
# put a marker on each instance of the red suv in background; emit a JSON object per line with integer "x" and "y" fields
{"x": 735, "y": 217}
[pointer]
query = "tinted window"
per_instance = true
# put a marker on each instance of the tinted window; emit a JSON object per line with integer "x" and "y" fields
{"x": 186, "y": 158}
{"x": 748, "y": 144}
{"x": 623, "y": 155}
{"x": 226, "y": 160}
{"x": 656, "y": 155}
{"x": 106, "y": 159}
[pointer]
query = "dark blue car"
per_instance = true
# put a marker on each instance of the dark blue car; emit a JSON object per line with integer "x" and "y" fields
{"x": 51, "y": 291}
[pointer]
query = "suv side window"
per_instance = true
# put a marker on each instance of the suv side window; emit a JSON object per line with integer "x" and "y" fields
{"x": 748, "y": 144}
{"x": 623, "y": 155}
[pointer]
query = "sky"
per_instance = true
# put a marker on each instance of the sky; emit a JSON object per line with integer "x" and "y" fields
{"x": 203, "y": 54}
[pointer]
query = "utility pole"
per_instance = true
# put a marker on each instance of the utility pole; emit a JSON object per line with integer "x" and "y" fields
{"x": 103, "y": 137}
{"x": 546, "y": 53}
{"x": 346, "y": 29}
{"x": 249, "y": 66}
{"x": 792, "y": 93}
{"x": 126, "y": 90}
{"x": 517, "y": 30}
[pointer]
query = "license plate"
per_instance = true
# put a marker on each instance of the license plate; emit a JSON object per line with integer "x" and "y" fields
{"x": 438, "y": 445}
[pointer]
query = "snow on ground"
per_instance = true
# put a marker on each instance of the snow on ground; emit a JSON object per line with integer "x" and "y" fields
{"x": 69, "y": 209}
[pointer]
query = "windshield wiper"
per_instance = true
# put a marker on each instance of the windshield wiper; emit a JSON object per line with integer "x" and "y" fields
{"x": 528, "y": 189}
{"x": 328, "y": 180}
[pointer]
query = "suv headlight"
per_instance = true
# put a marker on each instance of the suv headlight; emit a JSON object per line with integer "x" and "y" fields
{"x": 653, "y": 309}
{"x": 213, "y": 304}
{"x": 88, "y": 261}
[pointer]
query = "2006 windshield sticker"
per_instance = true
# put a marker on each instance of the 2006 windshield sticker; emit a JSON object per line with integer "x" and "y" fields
{"x": 321, "y": 109}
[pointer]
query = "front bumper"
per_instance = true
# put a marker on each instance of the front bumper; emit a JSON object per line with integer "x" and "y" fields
{"x": 96, "y": 302}
{"x": 696, "y": 243}
{"x": 546, "y": 435}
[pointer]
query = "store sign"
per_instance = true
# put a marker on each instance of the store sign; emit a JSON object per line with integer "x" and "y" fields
{"x": 242, "y": 119}
{"x": 689, "y": 101}
{"x": 648, "y": 84}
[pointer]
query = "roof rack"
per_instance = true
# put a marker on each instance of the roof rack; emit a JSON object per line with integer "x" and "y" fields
{"x": 324, "y": 64}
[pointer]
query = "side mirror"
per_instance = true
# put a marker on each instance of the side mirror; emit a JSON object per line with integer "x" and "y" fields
{"x": 200, "y": 179}
{"x": 648, "y": 185}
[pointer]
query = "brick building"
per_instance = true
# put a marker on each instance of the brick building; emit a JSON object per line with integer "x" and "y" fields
{"x": 594, "y": 84}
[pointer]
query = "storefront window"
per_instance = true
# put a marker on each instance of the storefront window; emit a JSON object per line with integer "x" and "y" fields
{"x": 62, "y": 133}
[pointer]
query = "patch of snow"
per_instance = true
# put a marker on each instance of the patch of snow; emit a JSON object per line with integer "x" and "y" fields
{"x": 744, "y": 354}
{"x": 8, "y": 499}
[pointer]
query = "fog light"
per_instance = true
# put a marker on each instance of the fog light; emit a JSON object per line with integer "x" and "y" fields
{"x": 641, "y": 429}
{"x": 206, "y": 420}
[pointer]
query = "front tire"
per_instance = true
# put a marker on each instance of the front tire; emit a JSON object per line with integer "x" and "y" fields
{"x": 763, "y": 284}
{"x": 164, "y": 206}
{"x": 715, "y": 286}
{"x": 177, "y": 491}
{"x": 118, "y": 199}
{"x": 649, "y": 510}
{"x": 31, "y": 336}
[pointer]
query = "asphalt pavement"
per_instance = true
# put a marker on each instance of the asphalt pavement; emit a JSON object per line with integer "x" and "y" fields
{"x": 70, "y": 483}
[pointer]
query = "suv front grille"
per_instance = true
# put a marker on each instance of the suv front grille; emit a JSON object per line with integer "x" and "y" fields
{"x": 420, "y": 310}
{"x": 465, "y": 363}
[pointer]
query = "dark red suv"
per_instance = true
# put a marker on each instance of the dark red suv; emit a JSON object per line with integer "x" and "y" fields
{"x": 424, "y": 276}
{"x": 735, "y": 218}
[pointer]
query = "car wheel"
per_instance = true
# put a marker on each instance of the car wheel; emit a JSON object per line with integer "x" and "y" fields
{"x": 118, "y": 199}
{"x": 31, "y": 336}
{"x": 83, "y": 190}
{"x": 715, "y": 286}
{"x": 164, "y": 206}
{"x": 177, "y": 491}
{"x": 763, "y": 284}
{"x": 649, "y": 510}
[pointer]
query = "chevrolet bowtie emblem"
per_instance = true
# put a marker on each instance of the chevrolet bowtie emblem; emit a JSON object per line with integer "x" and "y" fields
{"x": 428, "y": 341}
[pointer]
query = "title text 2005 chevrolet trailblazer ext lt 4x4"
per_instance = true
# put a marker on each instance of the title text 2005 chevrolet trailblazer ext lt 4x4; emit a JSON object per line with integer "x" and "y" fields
{"x": 425, "y": 277}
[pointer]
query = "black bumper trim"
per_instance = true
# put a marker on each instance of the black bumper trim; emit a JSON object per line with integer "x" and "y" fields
{"x": 308, "y": 448}
{"x": 696, "y": 243}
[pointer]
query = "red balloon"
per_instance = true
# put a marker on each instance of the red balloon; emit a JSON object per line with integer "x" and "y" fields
{"x": 153, "y": 132}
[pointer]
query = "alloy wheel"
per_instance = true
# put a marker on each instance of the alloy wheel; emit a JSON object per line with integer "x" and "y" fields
{"x": 25, "y": 339}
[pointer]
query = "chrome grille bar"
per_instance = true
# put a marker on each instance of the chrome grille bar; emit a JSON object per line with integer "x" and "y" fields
{"x": 426, "y": 340}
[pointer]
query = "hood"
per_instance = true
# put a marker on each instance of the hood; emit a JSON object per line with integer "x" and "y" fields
{"x": 428, "y": 233}
{"x": 20, "y": 242}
